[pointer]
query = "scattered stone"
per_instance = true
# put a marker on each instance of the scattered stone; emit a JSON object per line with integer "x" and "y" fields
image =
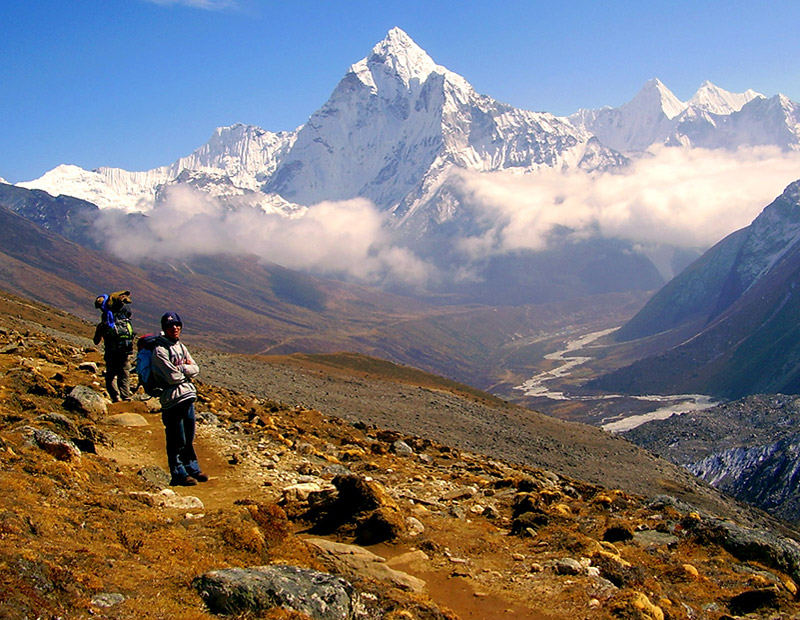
{"x": 568, "y": 566}
{"x": 167, "y": 498}
{"x": 55, "y": 444}
{"x": 301, "y": 492}
{"x": 89, "y": 367}
{"x": 321, "y": 596}
{"x": 86, "y": 401}
{"x": 206, "y": 417}
{"x": 461, "y": 493}
{"x": 107, "y": 599}
{"x": 690, "y": 571}
{"x": 414, "y": 526}
{"x": 401, "y": 448}
{"x": 331, "y": 471}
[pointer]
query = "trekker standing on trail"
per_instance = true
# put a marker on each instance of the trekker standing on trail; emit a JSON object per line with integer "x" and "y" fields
{"x": 116, "y": 332}
{"x": 174, "y": 368}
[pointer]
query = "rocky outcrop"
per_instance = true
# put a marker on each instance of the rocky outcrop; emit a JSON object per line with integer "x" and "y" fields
{"x": 747, "y": 448}
{"x": 321, "y": 596}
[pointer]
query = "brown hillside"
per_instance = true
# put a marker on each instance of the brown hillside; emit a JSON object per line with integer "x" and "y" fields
{"x": 86, "y": 533}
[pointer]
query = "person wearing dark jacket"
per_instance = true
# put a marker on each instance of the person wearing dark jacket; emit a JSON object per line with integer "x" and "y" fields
{"x": 175, "y": 368}
{"x": 117, "y": 335}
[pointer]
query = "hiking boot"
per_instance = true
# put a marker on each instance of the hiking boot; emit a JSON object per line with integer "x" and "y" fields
{"x": 184, "y": 481}
{"x": 200, "y": 477}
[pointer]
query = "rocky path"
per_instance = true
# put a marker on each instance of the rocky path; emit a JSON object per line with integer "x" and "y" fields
{"x": 487, "y": 426}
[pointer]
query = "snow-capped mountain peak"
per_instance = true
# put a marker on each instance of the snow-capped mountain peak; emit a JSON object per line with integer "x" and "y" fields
{"x": 654, "y": 95}
{"x": 402, "y": 56}
{"x": 712, "y": 98}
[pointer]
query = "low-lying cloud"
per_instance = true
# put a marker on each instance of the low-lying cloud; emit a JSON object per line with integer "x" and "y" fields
{"x": 347, "y": 239}
{"x": 672, "y": 197}
{"x": 681, "y": 197}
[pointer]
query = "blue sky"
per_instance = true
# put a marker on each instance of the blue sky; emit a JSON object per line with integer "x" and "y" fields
{"x": 137, "y": 84}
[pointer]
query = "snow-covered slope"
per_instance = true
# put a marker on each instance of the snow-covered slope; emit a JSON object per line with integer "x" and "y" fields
{"x": 712, "y": 118}
{"x": 397, "y": 119}
{"x": 245, "y": 154}
{"x": 398, "y": 123}
{"x": 713, "y": 99}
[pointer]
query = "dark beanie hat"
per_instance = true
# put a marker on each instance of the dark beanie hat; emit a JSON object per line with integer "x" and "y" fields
{"x": 170, "y": 318}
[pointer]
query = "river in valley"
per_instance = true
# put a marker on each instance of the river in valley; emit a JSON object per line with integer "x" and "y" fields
{"x": 569, "y": 358}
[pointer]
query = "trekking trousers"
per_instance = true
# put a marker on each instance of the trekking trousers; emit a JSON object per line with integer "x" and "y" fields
{"x": 118, "y": 377}
{"x": 179, "y": 427}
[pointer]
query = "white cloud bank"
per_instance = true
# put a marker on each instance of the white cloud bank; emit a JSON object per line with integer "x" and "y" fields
{"x": 343, "y": 239}
{"x": 687, "y": 198}
{"x": 675, "y": 197}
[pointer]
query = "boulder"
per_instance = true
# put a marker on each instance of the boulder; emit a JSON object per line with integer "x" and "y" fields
{"x": 321, "y": 596}
{"x": 126, "y": 419}
{"x": 55, "y": 444}
{"x": 360, "y": 562}
{"x": 748, "y": 544}
{"x": 85, "y": 400}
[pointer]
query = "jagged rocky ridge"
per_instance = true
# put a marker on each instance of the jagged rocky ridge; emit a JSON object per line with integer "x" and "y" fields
{"x": 735, "y": 310}
{"x": 747, "y": 448}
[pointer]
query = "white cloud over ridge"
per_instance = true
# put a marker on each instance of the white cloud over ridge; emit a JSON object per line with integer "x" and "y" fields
{"x": 672, "y": 197}
{"x": 682, "y": 197}
{"x": 346, "y": 239}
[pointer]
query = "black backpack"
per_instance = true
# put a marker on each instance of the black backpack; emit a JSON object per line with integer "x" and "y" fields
{"x": 119, "y": 337}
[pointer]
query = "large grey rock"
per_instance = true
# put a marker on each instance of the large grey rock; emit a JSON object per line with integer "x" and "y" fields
{"x": 750, "y": 545}
{"x": 87, "y": 401}
{"x": 321, "y": 596}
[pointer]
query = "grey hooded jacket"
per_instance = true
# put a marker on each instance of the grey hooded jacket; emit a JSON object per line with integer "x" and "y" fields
{"x": 175, "y": 369}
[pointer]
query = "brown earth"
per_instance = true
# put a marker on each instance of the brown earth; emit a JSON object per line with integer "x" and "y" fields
{"x": 73, "y": 528}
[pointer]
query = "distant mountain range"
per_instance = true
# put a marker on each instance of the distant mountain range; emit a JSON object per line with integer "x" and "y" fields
{"x": 735, "y": 310}
{"x": 400, "y": 130}
{"x": 398, "y": 122}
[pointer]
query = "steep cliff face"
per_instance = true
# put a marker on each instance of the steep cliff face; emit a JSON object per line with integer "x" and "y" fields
{"x": 747, "y": 448}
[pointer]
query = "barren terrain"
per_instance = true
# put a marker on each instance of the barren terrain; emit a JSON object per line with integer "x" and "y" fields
{"x": 89, "y": 533}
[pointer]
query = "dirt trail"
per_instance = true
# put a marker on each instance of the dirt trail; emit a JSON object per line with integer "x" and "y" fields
{"x": 136, "y": 447}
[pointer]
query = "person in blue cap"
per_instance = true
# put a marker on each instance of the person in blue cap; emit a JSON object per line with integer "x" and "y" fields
{"x": 175, "y": 368}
